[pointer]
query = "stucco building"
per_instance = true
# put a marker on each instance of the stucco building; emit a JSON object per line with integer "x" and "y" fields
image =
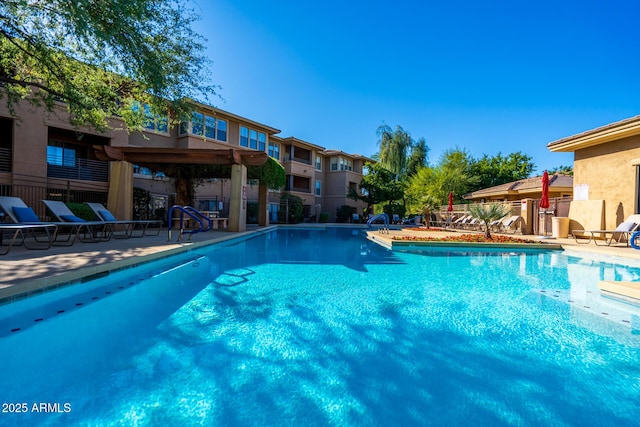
{"x": 606, "y": 174}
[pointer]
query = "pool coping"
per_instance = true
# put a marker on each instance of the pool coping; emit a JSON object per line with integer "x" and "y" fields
{"x": 388, "y": 242}
{"x": 47, "y": 284}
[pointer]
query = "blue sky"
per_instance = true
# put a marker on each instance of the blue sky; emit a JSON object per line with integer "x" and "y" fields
{"x": 489, "y": 77}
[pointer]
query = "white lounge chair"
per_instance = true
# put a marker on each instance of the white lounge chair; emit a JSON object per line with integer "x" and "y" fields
{"x": 621, "y": 234}
{"x": 511, "y": 224}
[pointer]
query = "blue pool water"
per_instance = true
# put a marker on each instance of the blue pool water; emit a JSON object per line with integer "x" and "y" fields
{"x": 324, "y": 328}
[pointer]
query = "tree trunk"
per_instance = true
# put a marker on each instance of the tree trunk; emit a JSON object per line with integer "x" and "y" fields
{"x": 184, "y": 191}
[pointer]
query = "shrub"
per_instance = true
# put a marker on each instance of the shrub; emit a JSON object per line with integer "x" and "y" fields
{"x": 324, "y": 216}
{"x": 344, "y": 212}
{"x": 290, "y": 209}
{"x": 82, "y": 211}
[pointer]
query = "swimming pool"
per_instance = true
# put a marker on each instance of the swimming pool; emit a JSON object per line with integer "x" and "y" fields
{"x": 325, "y": 328}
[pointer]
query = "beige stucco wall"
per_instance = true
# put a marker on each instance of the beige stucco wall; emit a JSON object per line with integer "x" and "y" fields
{"x": 607, "y": 170}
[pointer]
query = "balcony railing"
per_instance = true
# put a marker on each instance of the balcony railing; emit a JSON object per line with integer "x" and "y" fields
{"x": 84, "y": 169}
{"x": 5, "y": 160}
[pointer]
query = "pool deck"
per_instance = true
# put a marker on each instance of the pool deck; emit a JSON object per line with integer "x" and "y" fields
{"x": 24, "y": 272}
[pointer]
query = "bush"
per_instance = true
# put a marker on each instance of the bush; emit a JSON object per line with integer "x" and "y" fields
{"x": 395, "y": 208}
{"x": 344, "y": 212}
{"x": 82, "y": 211}
{"x": 293, "y": 206}
{"x": 324, "y": 216}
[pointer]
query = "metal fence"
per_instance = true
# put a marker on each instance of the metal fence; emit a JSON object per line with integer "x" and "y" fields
{"x": 32, "y": 196}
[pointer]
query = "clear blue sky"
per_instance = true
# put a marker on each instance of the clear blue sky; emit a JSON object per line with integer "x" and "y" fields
{"x": 489, "y": 77}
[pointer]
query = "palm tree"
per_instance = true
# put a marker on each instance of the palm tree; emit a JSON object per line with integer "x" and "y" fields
{"x": 487, "y": 214}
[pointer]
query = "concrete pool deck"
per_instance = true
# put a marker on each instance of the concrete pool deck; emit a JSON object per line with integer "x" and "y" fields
{"x": 24, "y": 272}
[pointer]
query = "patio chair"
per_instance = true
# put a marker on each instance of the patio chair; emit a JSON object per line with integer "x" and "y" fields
{"x": 22, "y": 232}
{"x": 462, "y": 221}
{"x": 86, "y": 231}
{"x": 621, "y": 234}
{"x": 128, "y": 226}
{"x": 19, "y": 213}
{"x": 496, "y": 225}
{"x": 511, "y": 224}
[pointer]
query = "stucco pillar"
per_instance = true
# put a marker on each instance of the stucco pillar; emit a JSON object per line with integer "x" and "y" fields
{"x": 263, "y": 205}
{"x": 238, "y": 199}
{"x": 526, "y": 212}
{"x": 120, "y": 199}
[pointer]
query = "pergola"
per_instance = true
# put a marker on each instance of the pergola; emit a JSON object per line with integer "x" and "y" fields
{"x": 120, "y": 198}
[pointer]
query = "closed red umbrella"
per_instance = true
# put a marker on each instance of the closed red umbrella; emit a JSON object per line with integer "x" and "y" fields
{"x": 450, "y": 206}
{"x": 544, "y": 200}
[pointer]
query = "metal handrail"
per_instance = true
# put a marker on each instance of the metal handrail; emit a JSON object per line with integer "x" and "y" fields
{"x": 194, "y": 214}
{"x": 377, "y": 217}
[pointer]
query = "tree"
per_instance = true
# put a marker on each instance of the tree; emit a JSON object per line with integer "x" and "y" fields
{"x": 100, "y": 58}
{"x": 497, "y": 170}
{"x": 394, "y": 147}
{"x": 563, "y": 170}
{"x": 418, "y": 157}
{"x": 377, "y": 186}
{"x": 487, "y": 214}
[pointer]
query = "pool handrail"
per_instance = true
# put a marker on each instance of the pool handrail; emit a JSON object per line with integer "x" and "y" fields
{"x": 384, "y": 216}
{"x": 194, "y": 214}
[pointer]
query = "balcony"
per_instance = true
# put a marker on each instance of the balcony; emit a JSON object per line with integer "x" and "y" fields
{"x": 84, "y": 169}
{"x": 5, "y": 160}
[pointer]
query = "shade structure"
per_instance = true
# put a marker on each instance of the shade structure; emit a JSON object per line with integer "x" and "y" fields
{"x": 450, "y": 205}
{"x": 544, "y": 199}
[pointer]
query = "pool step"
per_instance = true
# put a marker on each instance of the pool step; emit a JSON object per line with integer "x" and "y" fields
{"x": 629, "y": 291}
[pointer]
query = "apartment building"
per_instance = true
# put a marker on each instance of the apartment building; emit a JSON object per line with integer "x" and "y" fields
{"x": 42, "y": 156}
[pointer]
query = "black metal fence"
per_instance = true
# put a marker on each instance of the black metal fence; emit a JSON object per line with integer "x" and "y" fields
{"x": 32, "y": 196}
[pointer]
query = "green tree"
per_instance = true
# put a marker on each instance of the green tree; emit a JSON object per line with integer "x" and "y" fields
{"x": 377, "y": 186}
{"x": 487, "y": 214}
{"x": 418, "y": 158}
{"x": 454, "y": 174}
{"x": 563, "y": 170}
{"x": 394, "y": 148}
{"x": 99, "y": 57}
{"x": 498, "y": 169}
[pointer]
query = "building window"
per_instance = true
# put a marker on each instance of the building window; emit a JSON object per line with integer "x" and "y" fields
{"x": 274, "y": 150}
{"x": 58, "y": 155}
{"x": 253, "y": 139}
{"x": 318, "y": 188}
{"x": 222, "y": 130}
{"x": 341, "y": 163}
{"x": 197, "y": 124}
{"x": 244, "y": 136}
{"x": 318, "y": 163}
{"x": 209, "y": 127}
{"x": 206, "y": 126}
{"x": 153, "y": 122}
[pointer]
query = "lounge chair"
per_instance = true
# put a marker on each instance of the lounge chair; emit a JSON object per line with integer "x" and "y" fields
{"x": 396, "y": 219}
{"x": 22, "y": 232}
{"x": 86, "y": 231}
{"x": 19, "y": 213}
{"x": 621, "y": 234}
{"x": 462, "y": 221}
{"x": 511, "y": 224}
{"x": 128, "y": 226}
{"x": 496, "y": 225}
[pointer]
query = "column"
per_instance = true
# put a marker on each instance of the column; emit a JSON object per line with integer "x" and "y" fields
{"x": 120, "y": 199}
{"x": 238, "y": 199}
